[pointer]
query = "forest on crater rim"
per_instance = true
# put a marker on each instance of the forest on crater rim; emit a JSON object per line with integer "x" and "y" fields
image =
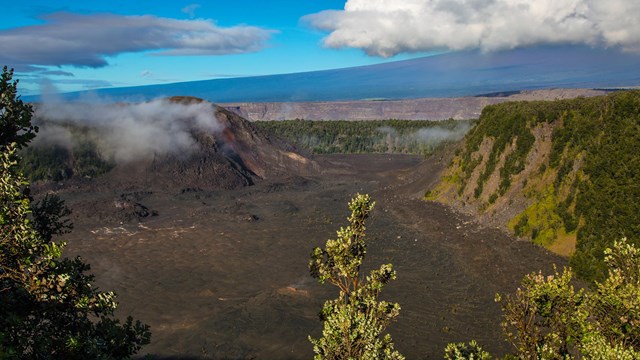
{"x": 563, "y": 171}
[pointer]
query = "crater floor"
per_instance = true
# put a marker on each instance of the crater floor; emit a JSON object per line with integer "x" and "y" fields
{"x": 223, "y": 274}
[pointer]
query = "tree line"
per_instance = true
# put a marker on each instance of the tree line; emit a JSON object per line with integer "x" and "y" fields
{"x": 421, "y": 137}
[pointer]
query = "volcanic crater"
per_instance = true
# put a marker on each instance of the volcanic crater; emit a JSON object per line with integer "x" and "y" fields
{"x": 211, "y": 249}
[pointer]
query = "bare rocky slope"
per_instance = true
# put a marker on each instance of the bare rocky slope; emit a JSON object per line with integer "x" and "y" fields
{"x": 414, "y": 109}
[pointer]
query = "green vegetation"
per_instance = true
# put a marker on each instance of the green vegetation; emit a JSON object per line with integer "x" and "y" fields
{"x": 540, "y": 220}
{"x": 48, "y": 306}
{"x": 593, "y": 170}
{"x": 380, "y": 136}
{"x": 15, "y": 115}
{"x": 54, "y": 162}
{"x": 548, "y": 319}
{"x": 355, "y": 321}
{"x": 470, "y": 351}
{"x": 506, "y": 124}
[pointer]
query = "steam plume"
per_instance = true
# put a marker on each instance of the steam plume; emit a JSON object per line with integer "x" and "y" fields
{"x": 425, "y": 138}
{"x": 127, "y": 132}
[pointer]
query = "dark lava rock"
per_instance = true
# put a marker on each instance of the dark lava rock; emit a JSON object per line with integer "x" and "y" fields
{"x": 132, "y": 210}
{"x": 236, "y": 155}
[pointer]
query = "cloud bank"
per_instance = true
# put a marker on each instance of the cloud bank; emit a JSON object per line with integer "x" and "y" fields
{"x": 127, "y": 132}
{"x": 386, "y": 28}
{"x": 87, "y": 40}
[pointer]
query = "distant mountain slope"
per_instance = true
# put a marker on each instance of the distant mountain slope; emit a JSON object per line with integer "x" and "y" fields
{"x": 446, "y": 75}
{"x": 564, "y": 173}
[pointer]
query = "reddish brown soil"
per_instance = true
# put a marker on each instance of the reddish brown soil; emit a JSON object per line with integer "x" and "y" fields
{"x": 223, "y": 274}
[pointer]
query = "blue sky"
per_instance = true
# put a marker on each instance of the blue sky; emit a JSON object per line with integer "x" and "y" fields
{"x": 79, "y": 45}
{"x": 293, "y": 46}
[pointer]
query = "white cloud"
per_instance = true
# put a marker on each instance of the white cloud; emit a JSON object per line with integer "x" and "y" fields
{"x": 88, "y": 40}
{"x": 191, "y": 9}
{"x": 386, "y": 28}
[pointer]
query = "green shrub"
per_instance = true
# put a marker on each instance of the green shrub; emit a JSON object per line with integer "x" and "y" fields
{"x": 462, "y": 351}
{"x": 353, "y": 323}
{"x": 546, "y": 318}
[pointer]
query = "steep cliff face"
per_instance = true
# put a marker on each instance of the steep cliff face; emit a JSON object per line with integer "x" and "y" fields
{"x": 414, "y": 109}
{"x": 564, "y": 173}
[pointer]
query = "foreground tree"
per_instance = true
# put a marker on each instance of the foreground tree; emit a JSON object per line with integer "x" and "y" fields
{"x": 15, "y": 115}
{"x": 547, "y": 319}
{"x": 544, "y": 318}
{"x": 48, "y": 307}
{"x": 353, "y": 323}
